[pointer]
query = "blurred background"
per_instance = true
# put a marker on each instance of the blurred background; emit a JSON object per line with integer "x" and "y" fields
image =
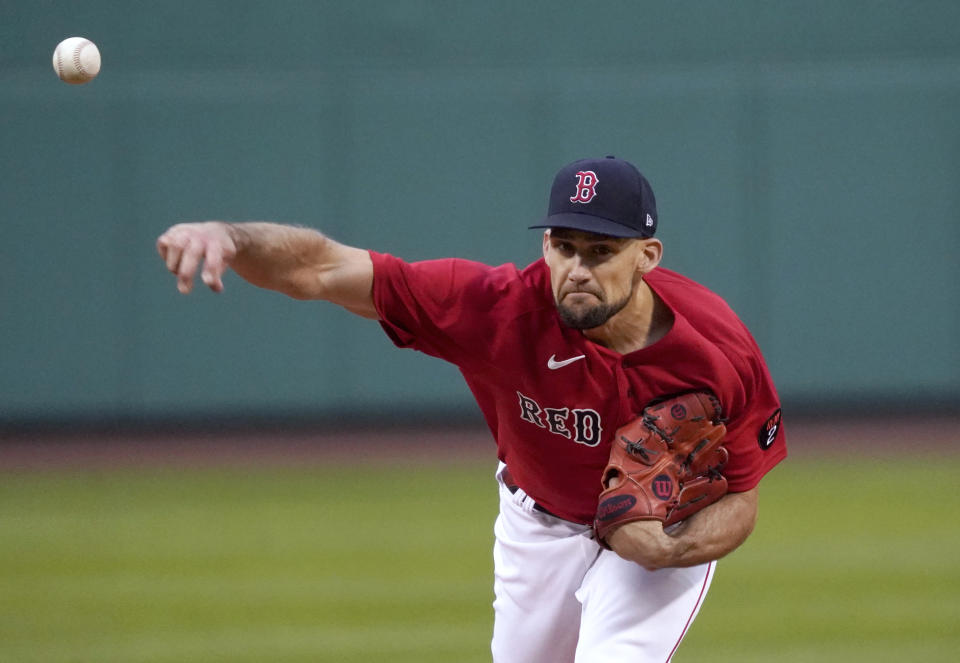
{"x": 805, "y": 158}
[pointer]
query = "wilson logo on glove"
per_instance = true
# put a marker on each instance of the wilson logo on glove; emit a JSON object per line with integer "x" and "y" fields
{"x": 662, "y": 486}
{"x": 615, "y": 506}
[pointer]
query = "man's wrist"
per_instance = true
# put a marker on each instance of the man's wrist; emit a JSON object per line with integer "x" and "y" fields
{"x": 237, "y": 234}
{"x": 645, "y": 543}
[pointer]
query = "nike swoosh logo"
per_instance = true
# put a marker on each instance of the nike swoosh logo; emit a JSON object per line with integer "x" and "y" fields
{"x": 553, "y": 364}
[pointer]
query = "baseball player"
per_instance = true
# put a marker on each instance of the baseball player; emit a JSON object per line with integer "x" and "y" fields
{"x": 608, "y": 383}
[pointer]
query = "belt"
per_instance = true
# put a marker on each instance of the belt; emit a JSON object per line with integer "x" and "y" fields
{"x": 512, "y": 486}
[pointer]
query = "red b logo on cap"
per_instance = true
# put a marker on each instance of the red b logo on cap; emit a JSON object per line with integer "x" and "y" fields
{"x": 586, "y": 187}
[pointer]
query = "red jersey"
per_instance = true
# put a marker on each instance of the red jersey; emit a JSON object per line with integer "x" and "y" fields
{"x": 554, "y": 399}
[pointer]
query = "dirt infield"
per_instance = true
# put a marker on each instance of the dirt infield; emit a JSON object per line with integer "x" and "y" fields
{"x": 260, "y": 446}
{"x": 256, "y": 447}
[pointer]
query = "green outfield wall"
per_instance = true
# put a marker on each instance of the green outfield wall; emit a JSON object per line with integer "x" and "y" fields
{"x": 805, "y": 157}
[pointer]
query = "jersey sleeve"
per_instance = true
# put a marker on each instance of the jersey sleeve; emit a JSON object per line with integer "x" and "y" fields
{"x": 756, "y": 439}
{"x": 444, "y": 308}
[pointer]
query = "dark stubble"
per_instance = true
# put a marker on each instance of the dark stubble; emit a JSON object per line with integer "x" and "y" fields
{"x": 599, "y": 314}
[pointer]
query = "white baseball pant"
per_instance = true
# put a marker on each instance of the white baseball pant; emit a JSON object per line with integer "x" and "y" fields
{"x": 561, "y": 598}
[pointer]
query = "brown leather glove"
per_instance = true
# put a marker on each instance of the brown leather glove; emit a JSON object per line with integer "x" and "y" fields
{"x": 665, "y": 465}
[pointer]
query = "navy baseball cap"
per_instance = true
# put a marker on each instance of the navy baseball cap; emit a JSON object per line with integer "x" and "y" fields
{"x": 606, "y": 196}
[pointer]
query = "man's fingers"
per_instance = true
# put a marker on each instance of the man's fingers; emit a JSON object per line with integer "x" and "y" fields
{"x": 189, "y": 261}
{"x": 211, "y": 281}
{"x": 170, "y": 252}
{"x": 185, "y": 246}
{"x": 213, "y": 267}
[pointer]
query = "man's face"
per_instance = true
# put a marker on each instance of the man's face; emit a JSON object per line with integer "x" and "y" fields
{"x": 593, "y": 276}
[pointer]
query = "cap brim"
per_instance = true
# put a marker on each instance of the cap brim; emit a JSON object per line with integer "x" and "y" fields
{"x": 590, "y": 224}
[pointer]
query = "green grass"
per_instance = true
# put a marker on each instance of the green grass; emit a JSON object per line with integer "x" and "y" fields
{"x": 850, "y": 562}
{"x": 310, "y": 565}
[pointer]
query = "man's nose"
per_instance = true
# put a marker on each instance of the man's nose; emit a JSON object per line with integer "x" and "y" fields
{"x": 579, "y": 272}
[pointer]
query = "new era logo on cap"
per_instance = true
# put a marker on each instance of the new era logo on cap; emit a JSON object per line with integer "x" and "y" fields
{"x": 606, "y": 196}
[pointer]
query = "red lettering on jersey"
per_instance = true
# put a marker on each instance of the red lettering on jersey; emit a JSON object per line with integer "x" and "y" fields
{"x": 587, "y": 425}
{"x": 530, "y": 410}
{"x": 556, "y": 420}
{"x": 584, "y": 429}
{"x": 586, "y": 187}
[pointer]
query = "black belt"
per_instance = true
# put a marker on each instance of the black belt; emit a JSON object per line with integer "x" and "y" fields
{"x": 513, "y": 488}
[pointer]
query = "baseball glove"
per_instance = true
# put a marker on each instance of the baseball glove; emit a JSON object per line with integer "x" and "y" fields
{"x": 665, "y": 465}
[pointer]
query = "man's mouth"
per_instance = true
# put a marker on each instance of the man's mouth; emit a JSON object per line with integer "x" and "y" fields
{"x": 574, "y": 293}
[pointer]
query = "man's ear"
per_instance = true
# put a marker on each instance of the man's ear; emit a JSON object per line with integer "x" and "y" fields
{"x": 651, "y": 253}
{"x": 546, "y": 242}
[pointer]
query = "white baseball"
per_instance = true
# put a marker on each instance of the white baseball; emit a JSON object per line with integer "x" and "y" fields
{"x": 76, "y": 60}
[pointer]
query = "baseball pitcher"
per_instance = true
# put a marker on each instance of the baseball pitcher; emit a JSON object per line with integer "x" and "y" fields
{"x": 633, "y": 412}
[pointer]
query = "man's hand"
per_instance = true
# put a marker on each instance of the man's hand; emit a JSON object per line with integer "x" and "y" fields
{"x": 299, "y": 262}
{"x": 184, "y": 246}
{"x": 644, "y": 542}
{"x": 707, "y": 535}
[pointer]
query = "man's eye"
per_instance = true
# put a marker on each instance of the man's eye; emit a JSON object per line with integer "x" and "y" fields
{"x": 602, "y": 250}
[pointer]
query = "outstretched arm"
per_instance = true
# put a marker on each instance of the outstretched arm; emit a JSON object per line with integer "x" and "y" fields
{"x": 299, "y": 262}
{"x": 703, "y": 537}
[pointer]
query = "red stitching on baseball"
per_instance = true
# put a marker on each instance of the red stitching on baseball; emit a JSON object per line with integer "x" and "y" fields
{"x": 76, "y": 56}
